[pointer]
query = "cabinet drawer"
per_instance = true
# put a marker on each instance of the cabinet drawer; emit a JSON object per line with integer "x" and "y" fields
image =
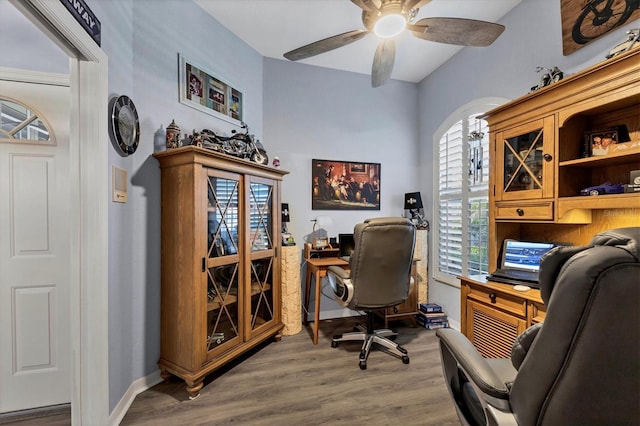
{"x": 537, "y": 312}
{"x": 524, "y": 211}
{"x": 505, "y": 302}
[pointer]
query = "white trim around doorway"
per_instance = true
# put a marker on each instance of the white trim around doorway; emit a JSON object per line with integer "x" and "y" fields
{"x": 89, "y": 208}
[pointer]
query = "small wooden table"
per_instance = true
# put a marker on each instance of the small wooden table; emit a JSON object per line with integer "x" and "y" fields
{"x": 318, "y": 267}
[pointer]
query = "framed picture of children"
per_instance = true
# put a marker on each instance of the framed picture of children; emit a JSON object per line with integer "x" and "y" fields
{"x": 345, "y": 185}
{"x": 601, "y": 142}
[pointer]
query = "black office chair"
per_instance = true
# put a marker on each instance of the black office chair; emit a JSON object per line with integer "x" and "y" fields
{"x": 379, "y": 278}
{"x": 582, "y": 365}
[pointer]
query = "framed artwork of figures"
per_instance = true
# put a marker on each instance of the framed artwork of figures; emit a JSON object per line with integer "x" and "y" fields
{"x": 345, "y": 185}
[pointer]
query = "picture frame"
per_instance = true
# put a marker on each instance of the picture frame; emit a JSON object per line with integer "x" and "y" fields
{"x": 209, "y": 93}
{"x": 345, "y": 185}
{"x": 600, "y": 142}
{"x": 584, "y": 21}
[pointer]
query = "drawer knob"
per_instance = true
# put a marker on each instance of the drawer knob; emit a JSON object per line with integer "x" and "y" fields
{"x": 547, "y": 157}
{"x": 520, "y": 212}
{"x": 492, "y": 297}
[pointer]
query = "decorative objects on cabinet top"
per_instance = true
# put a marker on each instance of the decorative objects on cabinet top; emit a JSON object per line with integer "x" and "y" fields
{"x": 173, "y": 135}
{"x": 551, "y": 75}
{"x": 242, "y": 145}
{"x": 631, "y": 41}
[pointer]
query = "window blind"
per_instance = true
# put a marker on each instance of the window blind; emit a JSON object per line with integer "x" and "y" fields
{"x": 463, "y": 215}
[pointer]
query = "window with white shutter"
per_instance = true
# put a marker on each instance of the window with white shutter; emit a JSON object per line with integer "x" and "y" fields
{"x": 462, "y": 199}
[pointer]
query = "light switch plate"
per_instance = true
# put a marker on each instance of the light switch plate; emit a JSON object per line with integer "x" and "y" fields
{"x": 119, "y": 184}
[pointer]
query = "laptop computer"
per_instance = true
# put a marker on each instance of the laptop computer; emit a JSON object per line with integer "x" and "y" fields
{"x": 521, "y": 262}
{"x": 346, "y": 244}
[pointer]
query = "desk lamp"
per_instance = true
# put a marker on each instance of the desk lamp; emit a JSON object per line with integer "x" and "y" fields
{"x": 320, "y": 242}
{"x": 413, "y": 203}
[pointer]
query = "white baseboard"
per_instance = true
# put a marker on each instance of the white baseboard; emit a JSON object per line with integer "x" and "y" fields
{"x": 138, "y": 386}
{"x": 454, "y": 324}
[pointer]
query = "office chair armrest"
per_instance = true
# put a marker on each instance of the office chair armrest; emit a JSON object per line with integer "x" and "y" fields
{"x": 340, "y": 272}
{"x": 340, "y": 282}
{"x": 476, "y": 368}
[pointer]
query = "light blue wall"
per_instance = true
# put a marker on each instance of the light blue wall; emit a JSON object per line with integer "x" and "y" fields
{"x": 312, "y": 112}
{"x": 505, "y": 69}
{"x": 142, "y": 39}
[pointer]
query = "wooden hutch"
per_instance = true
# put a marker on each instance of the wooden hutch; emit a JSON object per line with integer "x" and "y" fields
{"x": 539, "y": 162}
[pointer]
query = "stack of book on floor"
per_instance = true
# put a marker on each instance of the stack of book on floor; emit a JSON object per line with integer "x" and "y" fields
{"x": 431, "y": 316}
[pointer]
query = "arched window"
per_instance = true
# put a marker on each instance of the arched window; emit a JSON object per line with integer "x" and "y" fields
{"x": 462, "y": 178}
{"x": 21, "y": 124}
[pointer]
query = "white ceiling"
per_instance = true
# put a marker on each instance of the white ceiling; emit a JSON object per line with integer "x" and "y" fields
{"x": 273, "y": 27}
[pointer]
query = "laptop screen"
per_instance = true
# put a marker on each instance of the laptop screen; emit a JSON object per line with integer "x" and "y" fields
{"x": 524, "y": 255}
{"x": 346, "y": 243}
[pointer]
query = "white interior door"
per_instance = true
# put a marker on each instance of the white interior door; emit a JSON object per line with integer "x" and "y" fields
{"x": 35, "y": 347}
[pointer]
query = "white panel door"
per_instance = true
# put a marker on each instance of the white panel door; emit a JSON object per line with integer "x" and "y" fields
{"x": 35, "y": 347}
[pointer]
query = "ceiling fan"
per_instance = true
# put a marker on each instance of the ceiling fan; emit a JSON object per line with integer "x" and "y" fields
{"x": 388, "y": 18}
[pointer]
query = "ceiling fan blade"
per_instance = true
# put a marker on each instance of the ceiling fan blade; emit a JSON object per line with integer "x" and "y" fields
{"x": 366, "y": 5}
{"x": 325, "y": 45}
{"x": 460, "y": 31}
{"x": 413, "y": 4}
{"x": 383, "y": 62}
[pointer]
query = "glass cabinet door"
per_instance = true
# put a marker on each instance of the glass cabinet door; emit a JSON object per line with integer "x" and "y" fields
{"x": 223, "y": 260}
{"x": 525, "y": 161}
{"x": 262, "y": 252}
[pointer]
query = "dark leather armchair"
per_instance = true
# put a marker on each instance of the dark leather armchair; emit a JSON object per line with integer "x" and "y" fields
{"x": 379, "y": 278}
{"x": 582, "y": 365}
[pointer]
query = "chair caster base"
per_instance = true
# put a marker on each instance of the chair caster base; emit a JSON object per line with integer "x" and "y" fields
{"x": 363, "y": 365}
{"x": 405, "y": 359}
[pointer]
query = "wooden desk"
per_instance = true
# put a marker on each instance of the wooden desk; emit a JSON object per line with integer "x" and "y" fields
{"x": 493, "y": 315}
{"x": 318, "y": 267}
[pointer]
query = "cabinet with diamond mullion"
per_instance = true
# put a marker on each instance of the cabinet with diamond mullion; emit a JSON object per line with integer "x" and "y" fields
{"x": 260, "y": 304}
{"x": 220, "y": 267}
{"x": 524, "y": 155}
{"x": 223, "y": 271}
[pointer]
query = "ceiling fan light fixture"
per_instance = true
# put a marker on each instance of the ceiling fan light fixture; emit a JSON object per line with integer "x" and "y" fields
{"x": 390, "y": 25}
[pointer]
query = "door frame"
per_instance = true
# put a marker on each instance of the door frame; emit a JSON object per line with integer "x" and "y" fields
{"x": 88, "y": 159}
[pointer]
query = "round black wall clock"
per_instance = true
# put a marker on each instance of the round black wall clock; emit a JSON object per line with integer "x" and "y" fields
{"x": 125, "y": 126}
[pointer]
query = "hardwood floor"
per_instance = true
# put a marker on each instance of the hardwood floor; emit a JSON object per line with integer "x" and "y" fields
{"x": 293, "y": 382}
{"x": 57, "y": 415}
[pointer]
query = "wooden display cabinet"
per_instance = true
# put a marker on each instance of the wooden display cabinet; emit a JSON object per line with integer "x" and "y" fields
{"x": 220, "y": 263}
{"x": 538, "y": 165}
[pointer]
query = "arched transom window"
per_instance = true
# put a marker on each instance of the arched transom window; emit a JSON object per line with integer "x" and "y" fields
{"x": 21, "y": 124}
